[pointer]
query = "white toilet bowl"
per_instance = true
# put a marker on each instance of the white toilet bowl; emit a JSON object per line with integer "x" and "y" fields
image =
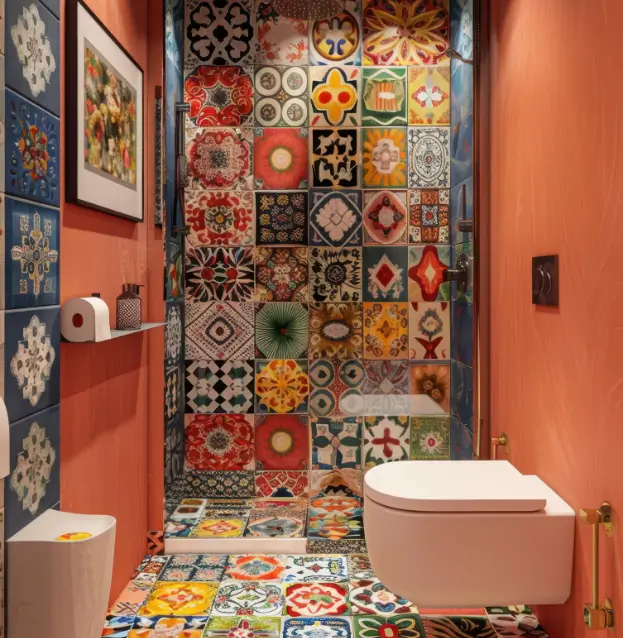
{"x": 467, "y": 533}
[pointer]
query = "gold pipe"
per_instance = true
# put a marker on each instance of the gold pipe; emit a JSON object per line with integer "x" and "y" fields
{"x": 497, "y": 441}
{"x": 595, "y": 566}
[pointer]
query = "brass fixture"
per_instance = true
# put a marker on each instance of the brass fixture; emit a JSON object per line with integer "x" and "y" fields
{"x": 596, "y": 615}
{"x": 498, "y": 441}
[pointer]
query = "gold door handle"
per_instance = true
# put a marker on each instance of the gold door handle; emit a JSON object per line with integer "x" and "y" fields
{"x": 498, "y": 441}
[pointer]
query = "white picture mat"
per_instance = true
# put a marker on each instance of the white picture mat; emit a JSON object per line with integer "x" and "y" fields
{"x": 93, "y": 188}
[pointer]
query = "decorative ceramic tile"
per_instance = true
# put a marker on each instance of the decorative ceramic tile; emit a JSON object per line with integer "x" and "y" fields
{"x": 335, "y": 218}
{"x": 461, "y": 207}
{"x": 281, "y": 385}
{"x": 33, "y": 485}
{"x": 199, "y": 567}
{"x": 335, "y": 331}
{"x": 219, "y": 218}
{"x": 173, "y": 451}
{"x": 385, "y": 217}
{"x": 224, "y": 274}
{"x": 461, "y": 441}
{"x": 219, "y": 442}
{"x": 219, "y": 386}
{"x": 238, "y": 483}
{"x": 337, "y": 482}
{"x": 188, "y": 508}
{"x": 384, "y": 157}
{"x": 173, "y": 332}
{"x": 255, "y": 568}
{"x": 224, "y": 627}
{"x": 219, "y": 528}
{"x": 429, "y": 96}
{"x": 334, "y": 96}
{"x": 316, "y": 569}
{"x": 281, "y": 217}
{"x": 32, "y": 47}
{"x": 178, "y": 529}
{"x": 386, "y": 438}
{"x": 335, "y": 274}
{"x": 316, "y": 599}
{"x": 429, "y": 216}
{"x": 179, "y": 599}
{"x": 32, "y": 151}
{"x": 516, "y": 620}
{"x": 430, "y": 438}
{"x": 337, "y": 40}
{"x": 281, "y": 484}
{"x": 429, "y": 331}
{"x": 335, "y": 157}
{"x": 462, "y": 150}
{"x": 385, "y": 273}
{"x": 281, "y": 274}
{"x": 352, "y": 546}
{"x": 178, "y": 627}
{"x": 128, "y": 603}
{"x": 462, "y": 27}
{"x": 427, "y": 267}
{"x": 433, "y": 381}
{"x": 220, "y": 158}
{"x": 276, "y": 524}
{"x": 384, "y": 97}
{"x": 467, "y": 294}
{"x": 429, "y": 153}
{"x": 281, "y": 159}
{"x": 386, "y": 387}
{"x": 237, "y": 598}
{"x": 282, "y": 442}
{"x": 31, "y": 363}
{"x": 462, "y": 343}
{"x": 395, "y": 35}
{"x": 317, "y": 628}
{"x": 462, "y": 395}
{"x": 219, "y": 96}
{"x": 174, "y": 269}
{"x": 360, "y": 568}
{"x": 335, "y": 518}
{"x": 468, "y": 627}
{"x": 118, "y": 626}
{"x": 336, "y": 442}
{"x": 385, "y": 330}
{"x": 219, "y": 330}
{"x": 280, "y": 40}
{"x": 281, "y": 96}
{"x": 31, "y": 249}
{"x": 219, "y": 32}
{"x": 172, "y": 391}
{"x": 336, "y": 387}
{"x": 281, "y": 330}
{"x": 401, "y": 626}
{"x": 370, "y": 597}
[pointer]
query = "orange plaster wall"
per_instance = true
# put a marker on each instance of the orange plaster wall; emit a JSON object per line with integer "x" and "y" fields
{"x": 557, "y": 187}
{"x": 112, "y": 393}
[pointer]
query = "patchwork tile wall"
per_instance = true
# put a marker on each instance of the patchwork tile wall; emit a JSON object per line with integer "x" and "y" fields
{"x": 30, "y": 178}
{"x": 321, "y": 158}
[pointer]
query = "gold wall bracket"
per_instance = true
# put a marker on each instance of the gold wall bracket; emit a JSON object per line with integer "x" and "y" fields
{"x": 496, "y": 442}
{"x": 598, "y": 615}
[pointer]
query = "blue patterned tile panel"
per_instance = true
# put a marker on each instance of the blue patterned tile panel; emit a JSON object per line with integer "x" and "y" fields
{"x": 462, "y": 393}
{"x": 31, "y": 360}
{"x": 462, "y": 27}
{"x": 2, "y": 111}
{"x": 54, "y": 6}
{"x": 32, "y": 256}
{"x": 461, "y": 441}
{"x": 32, "y": 45}
{"x": 33, "y": 485}
{"x": 32, "y": 151}
{"x": 462, "y": 150}
{"x": 462, "y": 338}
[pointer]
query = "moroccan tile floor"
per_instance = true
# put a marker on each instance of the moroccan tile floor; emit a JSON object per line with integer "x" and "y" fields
{"x": 287, "y": 596}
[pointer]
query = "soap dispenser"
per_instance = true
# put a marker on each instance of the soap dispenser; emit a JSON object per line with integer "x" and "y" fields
{"x": 129, "y": 312}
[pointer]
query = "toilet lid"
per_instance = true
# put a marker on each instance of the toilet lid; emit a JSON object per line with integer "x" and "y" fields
{"x": 454, "y": 486}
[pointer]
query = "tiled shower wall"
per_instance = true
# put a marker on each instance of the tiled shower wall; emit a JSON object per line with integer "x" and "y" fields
{"x": 325, "y": 163}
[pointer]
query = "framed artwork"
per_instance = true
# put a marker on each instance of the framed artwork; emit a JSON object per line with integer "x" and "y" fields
{"x": 105, "y": 134}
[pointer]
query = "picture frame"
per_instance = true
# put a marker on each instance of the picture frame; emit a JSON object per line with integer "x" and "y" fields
{"x": 105, "y": 133}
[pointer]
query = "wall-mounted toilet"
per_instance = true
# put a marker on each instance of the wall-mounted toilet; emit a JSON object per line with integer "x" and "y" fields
{"x": 467, "y": 533}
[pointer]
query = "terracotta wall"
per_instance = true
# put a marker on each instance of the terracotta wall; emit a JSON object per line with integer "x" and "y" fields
{"x": 112, "y": 397}
{"x": 557, "y": 187}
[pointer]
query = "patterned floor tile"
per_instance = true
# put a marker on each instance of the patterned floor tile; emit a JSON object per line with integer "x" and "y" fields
{"x": 370, "y": 597}
{"x": 282, "y": 442}
{"x": 335, "y": 157}
{"x": 384, "y": 97}
{"x": 281, "y": 274}
{"x": 198, "y": 567}
{"x": 336, "y": 442}
{"x": 180, "y": 627}
{"x": 280, "y": 522}
{"x": 189, "y": 509}
{"x": 118, "y": 626}
{"x": 219, "y": 386}
{"x": 335, "y": 274}
{"x": 281, "y": 217}
{"x": 219, "y": 528}
{"x": 334, "y": 527}
{"x": 316, "y": 599}
{"x": 385, "y": 273}
{"x": 335, "y": 331}
{"x": 281, "y": 386}
{"x": 385, "y": 439}
{"x": 281, "y": 160}
{"x": 400, "y": 626}
{"x": 337, "y": 482}
{"x": 384, "y": 158}
{"x": 238, "y": 598}
{"x": 429, "y": 216}
{"x": 334, "y": 96}
{"x": 336, "y": 388}
{"x": 359, "y": 567}
{"x": 356, "y": 546}
{"x": 281, "y": 330}
{"x": 385, "y": 330}
{"x": 317, "y": 628}
{"x": 255, "y": 568}
{"x": 429, "y": 331}
{"x": 224, "y": 627}
{"x": 335, "y": 218}
{"x": 179, "y": 599}
{"x": 316, "y": 569}
{"x": 385, "y": 217}
{"x": 281, "y": 96}
{"x": 457, "y": 627}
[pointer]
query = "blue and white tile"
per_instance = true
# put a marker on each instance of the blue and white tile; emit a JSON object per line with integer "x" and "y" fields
{"x": 33, "y": 485}
{"x": 32, "y": 152}
{"x": 462, "y": 393}
{"x": 33, "y": 61}
{"x": 461, "y": 441}
{"x": 31, "y": 254}
{"x": 31, "y": 361}
{"x": 462, "y": 337}
{"x": 329, "y": 627}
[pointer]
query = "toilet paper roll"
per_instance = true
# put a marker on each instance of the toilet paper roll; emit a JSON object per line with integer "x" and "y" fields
{"x": 85, "y": 319}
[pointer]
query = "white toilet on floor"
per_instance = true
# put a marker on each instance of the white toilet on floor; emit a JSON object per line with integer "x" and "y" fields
{"x": 467, "y": 534}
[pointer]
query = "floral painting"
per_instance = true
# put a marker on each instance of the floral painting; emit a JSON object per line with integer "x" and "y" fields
{"x": 110, "y": 127}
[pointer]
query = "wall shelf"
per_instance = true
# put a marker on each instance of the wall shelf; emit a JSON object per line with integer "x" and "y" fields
{"x": 115, "y": 334}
